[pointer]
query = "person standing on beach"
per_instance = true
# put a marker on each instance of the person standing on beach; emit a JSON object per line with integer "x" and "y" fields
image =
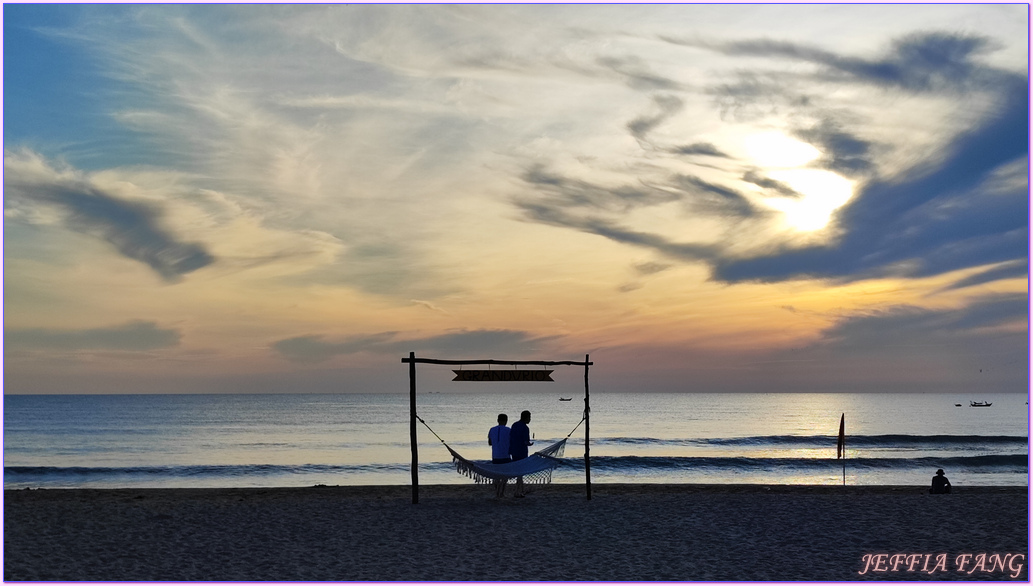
{"x": 519, "y": 439}
{"x": 940, "y": 484}
{"x": 498, "y": 439}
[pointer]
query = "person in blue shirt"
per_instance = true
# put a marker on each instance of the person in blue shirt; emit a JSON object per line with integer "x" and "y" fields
{"x": 498, "y": 439}
{"x": 519, "y": 440}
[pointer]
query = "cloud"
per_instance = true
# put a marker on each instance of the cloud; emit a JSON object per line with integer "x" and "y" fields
{"x": 477, "y": 343}
{"x": 637, "y": 73}
{"x": 945, "y": 213}
{"x": 949, "y": 211}
{"x": 429, "y": 306}
{"x": 842, "y": 152}
{"x": 753, "y": 95}
{"x": 651, "y": 268}
{"x": 920, "y": 62}
{"x": 135, "y": 336}
{"x": 564, "y": 192}
{"x": 716, "y": 199}
{"x": 982, "y": 343}
{"x": 565, "y": 200}
{"x": 133, "y": 228}
{"x": 644, "y": 269}
{"x": 667, "y": 105}
{"x": 557, "y": 216}
{"x": 601, "y": 210}
{"x": 916, "y": 325}
{"x": 1009, "y": 270}
{"x": 937, "y": 219}
{"x": 768, "y": 183}
{"x": 699, "y": 148}
{"x": 316, "y": 349}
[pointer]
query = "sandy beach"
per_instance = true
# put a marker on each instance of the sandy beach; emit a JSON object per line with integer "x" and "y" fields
{"x": 626, "y": 532}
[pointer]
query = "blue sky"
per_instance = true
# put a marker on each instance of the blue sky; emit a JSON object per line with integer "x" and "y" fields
{"x": 209, "y": 198}
{"x": 57, "y": 97}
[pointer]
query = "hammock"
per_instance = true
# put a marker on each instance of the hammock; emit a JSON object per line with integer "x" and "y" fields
{"x": 535, "y": 469}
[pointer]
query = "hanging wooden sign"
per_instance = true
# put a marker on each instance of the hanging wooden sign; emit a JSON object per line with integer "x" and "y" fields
{"x": 523, "y": 376}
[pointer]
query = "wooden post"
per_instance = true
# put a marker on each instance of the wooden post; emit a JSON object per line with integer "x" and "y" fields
{"x": 412, "y": 430}
{"x": 588, "y": 462}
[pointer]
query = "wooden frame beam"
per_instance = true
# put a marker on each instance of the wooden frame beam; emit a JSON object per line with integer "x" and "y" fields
{"x": 413, "y": 359}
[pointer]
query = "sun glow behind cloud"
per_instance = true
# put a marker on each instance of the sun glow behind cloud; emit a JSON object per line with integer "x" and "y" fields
{"x": 817, "y": 193}
{"x": 821, "y": 194}
{"x": 775, "y": 150}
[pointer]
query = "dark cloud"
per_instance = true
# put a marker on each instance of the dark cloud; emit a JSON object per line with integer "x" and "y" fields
{"x": 699, "y": 148}
{"x": 559, "y": 216}
{"x": 467, "y": 343}
{"x": 651, "y": 268}
{"x": 133, "y": 228}
{"x": 667, "y": 105}
{"x": 637, "y": 74}
{"x": 564, "y": 192}
{"x": 715, "y": 199}
{"x": 920, "y": 62}
{"x": 916, "y": 325}
{"x": 841, "y": 152}
{"x": 564, "y": 198}
{"x": 1010, "y": 270}
{"x": 134, "y": 336}
{"x": 595, "y": 209}
{"x": 769, "y": 183}
{"x": 754, "y": 95}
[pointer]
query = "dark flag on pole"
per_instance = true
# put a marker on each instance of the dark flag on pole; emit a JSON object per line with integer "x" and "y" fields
{"x": 841, "y": 444}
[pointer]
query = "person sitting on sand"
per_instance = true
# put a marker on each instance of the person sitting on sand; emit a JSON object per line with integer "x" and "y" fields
{"x": 498, "y": 439}
{"x": 940, "y": 484}
{"x": 519, "y": 439}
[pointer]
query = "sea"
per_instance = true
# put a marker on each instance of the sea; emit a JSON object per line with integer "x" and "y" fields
{"x": 285, "y": 440}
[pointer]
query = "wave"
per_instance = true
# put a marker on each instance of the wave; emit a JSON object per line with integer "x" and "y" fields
{"x": 19, "y": 473}
{"x": 992, "y": 463}
{"x": 874, "y": 441}
{"x": 1009, "y": 463}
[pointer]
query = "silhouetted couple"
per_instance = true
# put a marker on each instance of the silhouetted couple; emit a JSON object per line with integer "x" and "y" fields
{"x": 510, "y": 445}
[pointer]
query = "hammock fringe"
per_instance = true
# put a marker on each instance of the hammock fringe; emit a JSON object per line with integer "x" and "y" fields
{"x": 535, "y": 469}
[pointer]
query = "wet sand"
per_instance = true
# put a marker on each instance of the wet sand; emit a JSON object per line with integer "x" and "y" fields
{"x": 461, "y": 532}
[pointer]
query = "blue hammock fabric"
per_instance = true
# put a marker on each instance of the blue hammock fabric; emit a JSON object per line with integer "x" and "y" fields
{"x": 535, "y": 469}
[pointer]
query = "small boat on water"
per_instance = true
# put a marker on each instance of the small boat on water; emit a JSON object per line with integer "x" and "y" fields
{"x": 570, "y": 399}
{"x": 979, "y": 404}
{"x": 957, "y": 404}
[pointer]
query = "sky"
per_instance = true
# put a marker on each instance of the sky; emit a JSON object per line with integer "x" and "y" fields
{"x": 291, "y": 198}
